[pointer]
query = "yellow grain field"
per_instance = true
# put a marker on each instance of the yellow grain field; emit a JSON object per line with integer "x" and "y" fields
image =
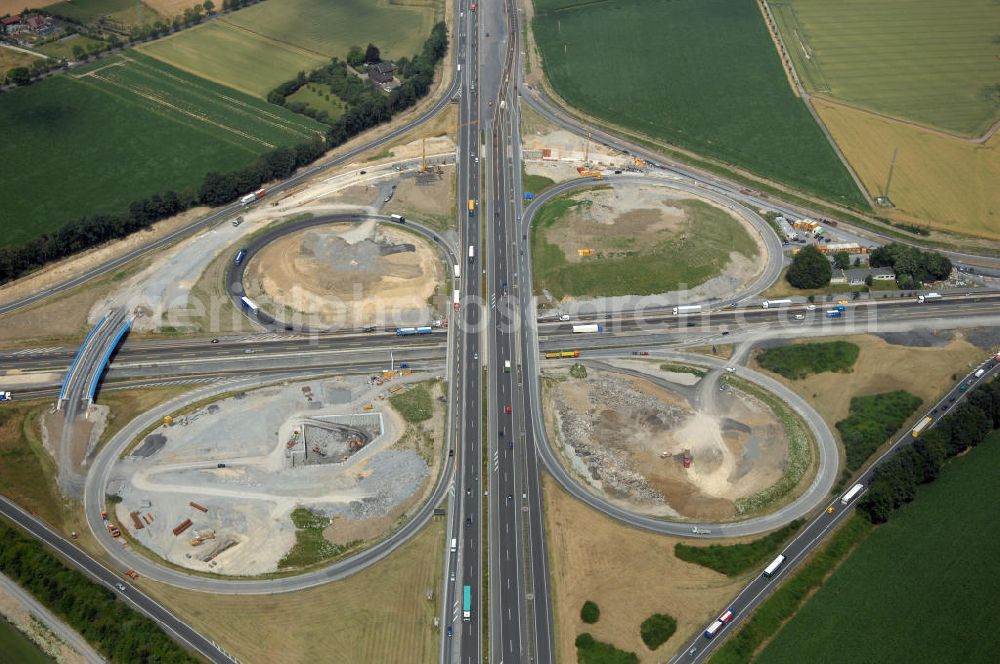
{"x": 629, "y": 573}
{"x": 378, "y": 615}
{"x": 939, "y": 181}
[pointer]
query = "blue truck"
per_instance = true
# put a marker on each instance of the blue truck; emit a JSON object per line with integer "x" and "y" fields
{"x": 409, "y": 331}
{"x": 834, "y": 313}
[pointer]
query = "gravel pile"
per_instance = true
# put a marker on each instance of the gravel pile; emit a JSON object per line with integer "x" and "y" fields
{"x": 613, "y": 467}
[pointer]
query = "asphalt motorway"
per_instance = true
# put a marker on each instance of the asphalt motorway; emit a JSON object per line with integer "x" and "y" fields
{"x": 813, "y": 535}
{"x": 173, "y": 626}
{"x": 465, "y": 563}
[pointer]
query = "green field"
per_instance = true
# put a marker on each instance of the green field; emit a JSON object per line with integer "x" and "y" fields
{"x": 62, "y": 49}
{"x": 924, "y": 60}
{"x": 123, "y": 129}
{"x": 397, "y": 28}
{"x": 19, "y": 648}
{"x": 632, "y": 262}
{"x": 935, "y": 593}
{"x": 316, "y": 96}
{"x": 700, "y": 74}
{"x": 256, "y": 48}
{"x": 234, "y": 57}
{"x": 123, "y": 11}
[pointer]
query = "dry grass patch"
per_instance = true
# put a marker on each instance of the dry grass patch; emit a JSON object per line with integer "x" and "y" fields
{"x": 882, "y": 367}
{"x": 939, "y": 181}
{"x": 377, "y": 615}
{"x": 629, "y": 573}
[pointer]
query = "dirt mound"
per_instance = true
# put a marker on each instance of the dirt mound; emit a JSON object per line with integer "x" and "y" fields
{"x": 629, "y": 437}
{"x": 346, "y": 274}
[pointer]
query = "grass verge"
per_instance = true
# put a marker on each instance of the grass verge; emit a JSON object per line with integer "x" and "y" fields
{"x": 735, "y": 559}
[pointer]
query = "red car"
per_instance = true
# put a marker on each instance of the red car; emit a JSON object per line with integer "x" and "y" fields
{"x": 507, "y": 410}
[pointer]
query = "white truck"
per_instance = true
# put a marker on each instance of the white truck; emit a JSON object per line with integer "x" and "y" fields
{"x": 5, "y": 396}
{"x": 926, "y": 297}
{"x": 250, "y": 198}
{"x": 472, "y": 253}
{"x": 770, "y": 304}
{"x": 687, "y": 309}
{"x": 852, "y": 493}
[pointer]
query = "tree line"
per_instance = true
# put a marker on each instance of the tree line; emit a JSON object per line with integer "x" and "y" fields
{"x": 913, "y": 266}
{"x": 220, "y": 188}
{"x": 118, "y": 632}
{"x": 896, "y": 480}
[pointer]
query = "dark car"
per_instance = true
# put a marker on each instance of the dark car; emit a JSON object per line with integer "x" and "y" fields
{"x": 451, "y": 453}
{"x": 468, "y": 521}
{"x": 449, "y": 630}
{"x": 215, "y": 341}
{"x": 369, "y": 328}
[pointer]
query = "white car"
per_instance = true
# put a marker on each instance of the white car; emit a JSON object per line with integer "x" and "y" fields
{"x": 799, "y": 317}
{"x": 731, "y": 369}
{"x": 811, "y": 307}
{"x": 564, "y": 317}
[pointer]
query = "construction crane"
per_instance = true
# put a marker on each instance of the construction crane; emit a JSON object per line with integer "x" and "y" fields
{"x": 423, "y": 155}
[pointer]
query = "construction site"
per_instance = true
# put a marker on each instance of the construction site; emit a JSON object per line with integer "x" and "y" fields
{"x": 348, "y": 275}
{"x": 657, "y": 442}
{"x": 213, "y": 490}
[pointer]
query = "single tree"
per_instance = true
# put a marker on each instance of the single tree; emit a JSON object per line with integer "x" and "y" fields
{"x": 809, "y": 269}
{"x": 209, "y": 6}
{"x": 372, "y": 54}
{"x": 19, "y": 76}
{"x": 355, "y": 56}
{"x": 842, "y": 260}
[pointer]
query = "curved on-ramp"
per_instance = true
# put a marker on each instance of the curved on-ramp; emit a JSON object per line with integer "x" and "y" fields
{"x": 772, "y": 245}
{"x": 234, "y": 273}
{"x": 100, "y": 474}
{"x": 828, "y": 462}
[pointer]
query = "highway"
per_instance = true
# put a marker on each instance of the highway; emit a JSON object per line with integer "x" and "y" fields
{"x": 812, "y": 536}
{"x": 463, "y": 636}
{"x": 492, "y": 482}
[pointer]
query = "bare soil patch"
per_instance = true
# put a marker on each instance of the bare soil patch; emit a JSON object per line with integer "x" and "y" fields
{"x": 628, "y": 437}
{"x": 630, "y": 573}
{"x": 429, "y": 199}
{"x": 348, "y": 275}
